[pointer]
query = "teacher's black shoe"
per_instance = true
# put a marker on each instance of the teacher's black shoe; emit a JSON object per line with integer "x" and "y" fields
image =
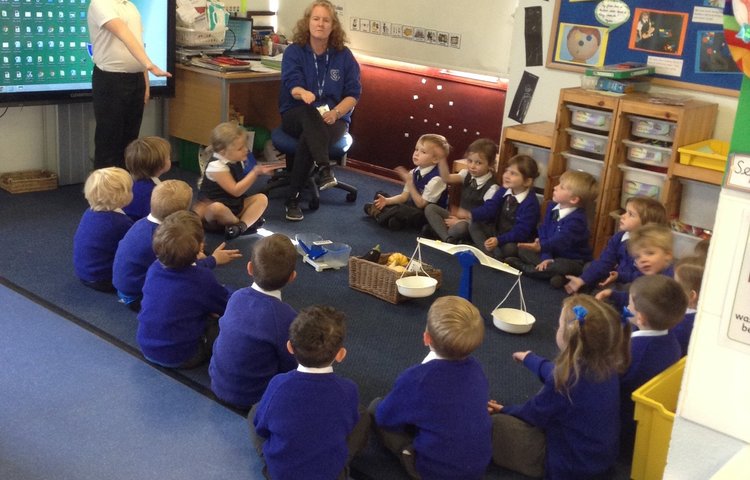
{"x": 293, "y": 211}
{"x": 326, "y": 179}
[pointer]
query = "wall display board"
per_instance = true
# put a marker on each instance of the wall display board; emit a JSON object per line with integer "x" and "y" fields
{"x": 683, "y": 39}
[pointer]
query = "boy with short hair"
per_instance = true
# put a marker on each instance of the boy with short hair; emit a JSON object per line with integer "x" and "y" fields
{"x": 435, "y": 418}
{"x": 651, "y": 248}
{"x": 657, "y": 304}
{"x": 422, "y": 186}
{"x": 562, "y": 247}
{"x": 135, "y": 253}
{"x": 181, "y": 302}
{"x": 309, "y": 423}
{"x": 253, "y": 332}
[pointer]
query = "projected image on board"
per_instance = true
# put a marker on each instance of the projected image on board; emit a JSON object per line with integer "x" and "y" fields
{"x": 45, "y": 49}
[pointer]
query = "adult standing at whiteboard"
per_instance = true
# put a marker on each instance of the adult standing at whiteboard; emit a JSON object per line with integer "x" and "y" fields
{"x": 119, "y": 82}
{"x": 320, "y": 86}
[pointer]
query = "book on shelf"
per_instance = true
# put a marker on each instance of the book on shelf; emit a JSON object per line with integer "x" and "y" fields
{"x": 621, "y": 70}
{"x": 622, "y": 85}
{"x": 221, "y": 64}
{"x": 483, "y": 258}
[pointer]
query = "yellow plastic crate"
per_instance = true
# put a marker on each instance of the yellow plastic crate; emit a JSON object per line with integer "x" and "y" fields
{"x": 655, "y": 404}
{"x": 711, "y": 154}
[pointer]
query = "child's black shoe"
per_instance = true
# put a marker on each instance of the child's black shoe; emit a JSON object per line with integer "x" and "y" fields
{"x": 233, "y": 231}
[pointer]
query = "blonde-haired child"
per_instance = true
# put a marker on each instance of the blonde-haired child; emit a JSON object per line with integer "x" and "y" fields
{"x": 615, "y": 265}
{"x": 569, "y": 429}
{"x": 562, "y": 247}
{"x": 477, "y": 186}
{"x": 689, "y": 274}
{"x": 102, "y": 226}
{"x": 511, "y": 216}
{"x": 657, "y": 304}
{"x": 146, "y": 159}
{"x": 651, "y": 248}
{"x": 422, "y": 186}
{"x": 434, "y": 418}
{"x": 223, "y": 201}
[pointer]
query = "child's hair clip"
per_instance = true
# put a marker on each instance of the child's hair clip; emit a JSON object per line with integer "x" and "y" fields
{"x": 580, "y": 313}
{"x": 626, "y": 316}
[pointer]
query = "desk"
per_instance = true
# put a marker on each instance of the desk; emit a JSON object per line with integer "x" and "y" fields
{"x": 203, "y": 97}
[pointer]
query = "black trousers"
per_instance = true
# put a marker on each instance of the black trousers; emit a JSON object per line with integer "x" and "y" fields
{"x": 314, "y": 139}
{"x": 118, "y": 110}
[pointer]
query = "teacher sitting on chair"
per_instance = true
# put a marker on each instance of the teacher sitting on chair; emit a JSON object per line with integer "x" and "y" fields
{"x": 319, "y": 88}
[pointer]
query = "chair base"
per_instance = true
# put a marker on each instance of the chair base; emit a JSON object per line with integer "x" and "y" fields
{"x": 280, "y": 178}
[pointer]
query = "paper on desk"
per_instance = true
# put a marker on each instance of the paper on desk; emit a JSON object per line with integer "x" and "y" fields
{"x": 259, "y": 67}
{"x": 484, "y": 259}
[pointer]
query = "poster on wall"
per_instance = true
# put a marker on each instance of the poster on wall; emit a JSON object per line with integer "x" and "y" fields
{"x": 522, "y": 99}
{"x": 682, "y": 39}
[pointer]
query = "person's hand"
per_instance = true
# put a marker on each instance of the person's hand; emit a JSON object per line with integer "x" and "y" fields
{"x": 307, "y": 96}
{"x": 493, "y": 407}
{"x": 224, "y": 256}
{"x": 405, "y": 174}
{"x": 574, "y": 284}
{"x": 158, "y": 71}
{"x": 379, "y": 202}
{"x": 612, "y": 278}
{"x": 534, "y": 246}
{"x": 542, "y": 266}
{"x": 520, "y": 356}
{"x": 490, "y": 244}
{"x": 264, "y": 168}
{"x": 604, "y": 294}
{"x": 452, "y": 220}
{"x": 330, "y": 117}
{"x": 462, "y": 213}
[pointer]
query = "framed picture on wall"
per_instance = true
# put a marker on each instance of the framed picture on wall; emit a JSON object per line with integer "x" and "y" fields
{"x": 581, "y": 44}
{"x": 658, "y": 31}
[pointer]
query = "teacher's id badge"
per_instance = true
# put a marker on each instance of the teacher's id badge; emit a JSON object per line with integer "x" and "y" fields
{"x": 323, "y": 109}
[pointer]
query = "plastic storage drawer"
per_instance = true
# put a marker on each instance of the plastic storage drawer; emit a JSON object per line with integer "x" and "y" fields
{"x": 649, "y": 152}
{"x": 584, "y": 164}
{"x": 636, "y": 181}
{"x": 699, "y": 203}
{"x": 684, "y": 244}
{"x": 588, "y": 142}
{"x": 652, "y": 128}
{"x": 590, "y": 118}
{"x": 541, "y": 155}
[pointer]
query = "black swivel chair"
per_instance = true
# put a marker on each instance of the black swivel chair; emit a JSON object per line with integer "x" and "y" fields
{"x": 287, "y": 145}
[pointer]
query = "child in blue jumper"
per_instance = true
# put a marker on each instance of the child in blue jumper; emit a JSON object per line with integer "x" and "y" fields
{"x": 422, "y": 186}
{"x": 146, "y": 159}
{"x": 135, "y": 252}
{"x": 477, "y": 186}
{"x": 689, "y": 274}
{"x": 102, "y": 226}
{"x": 562, "y": 247}
{"x": 615, "y": 266}
{"x": 435, "y": 418}
{"x": 251, "y": 347}
{"x": 657, "y": 304}
{"x": 570, "y": 429}
{"x": 181, "y": 301}
{"x": 309, "y": 423}
{"x": 651, "y": 249}
{"x": 511, "y": 216}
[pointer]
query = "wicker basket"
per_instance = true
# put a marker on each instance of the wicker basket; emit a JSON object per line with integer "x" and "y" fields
{"x": 28, "y": 181}
{"x": 188, "y": 37}
{"x": 379, "y": 280}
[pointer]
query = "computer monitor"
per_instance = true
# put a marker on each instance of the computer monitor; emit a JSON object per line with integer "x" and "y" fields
{"x": 239, "y": 36}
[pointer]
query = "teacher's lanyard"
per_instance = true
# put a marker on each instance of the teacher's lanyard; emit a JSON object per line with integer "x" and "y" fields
{"x": 321, "y": 85}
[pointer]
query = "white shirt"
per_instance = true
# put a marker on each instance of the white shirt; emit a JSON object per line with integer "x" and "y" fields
{"x": 304, "y": 369}
{"x": 649, "y": 333}
{"x": 481, "y": 181}
{"x": 273, "y": 293}
{"x": 110, "y": 54}
{"x": 564, "y": 212}
{"x": 434, "y": 188}
{"x": 221, "y": 164}
{"x": 521, "y": 196}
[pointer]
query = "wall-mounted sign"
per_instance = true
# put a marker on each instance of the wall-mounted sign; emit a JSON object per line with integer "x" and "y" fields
{"x": 739, "y": 322}
{"x": 738, "y": 172}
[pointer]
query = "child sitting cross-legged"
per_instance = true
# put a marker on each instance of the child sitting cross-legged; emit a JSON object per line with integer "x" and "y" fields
{"x": 562, "y": 247}
{"x": 435, "y": 419}
{"x": 177, "y": 324}
{"x": 477, "y": 186}
{"x": 657, "y": 304}
{"x": 102, "y": 226}
{"x": 689, "y": 274}
{"x": 251, "y": 347}
{"x": 146, "y": 159}
{"x": 569, "y": 430}
{"x": 511, "y": 215}
{"x": 422, "y": 186}
{"x": 651, "y": 249}
{"x": 135, "y": 252}
{"x": 615, "y": 266}
{"x": 309, "y": 423}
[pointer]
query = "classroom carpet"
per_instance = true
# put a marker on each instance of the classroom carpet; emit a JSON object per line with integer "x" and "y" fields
{"x": 383, "y": 339}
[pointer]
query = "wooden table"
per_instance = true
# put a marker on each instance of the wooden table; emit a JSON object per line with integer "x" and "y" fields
{"x": 203, "y": 99}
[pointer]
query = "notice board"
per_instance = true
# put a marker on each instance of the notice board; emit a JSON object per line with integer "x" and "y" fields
{"x": 683, "y": 39}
